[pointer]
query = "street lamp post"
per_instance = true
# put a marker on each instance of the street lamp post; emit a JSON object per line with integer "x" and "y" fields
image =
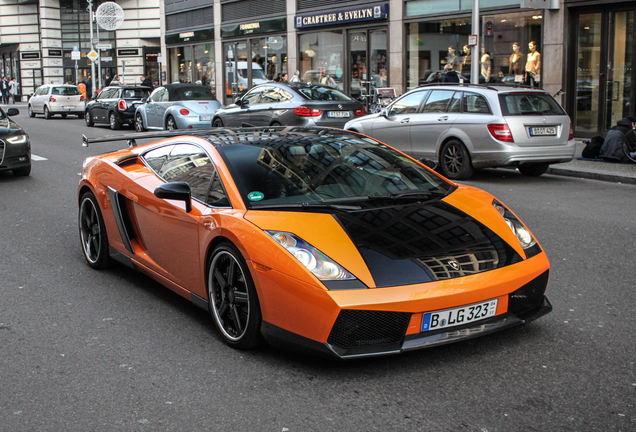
{"x": 90, "y": 19}
{"x": 474, "y": 64}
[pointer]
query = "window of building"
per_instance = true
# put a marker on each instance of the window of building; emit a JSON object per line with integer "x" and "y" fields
{"x": 322, "y": 52}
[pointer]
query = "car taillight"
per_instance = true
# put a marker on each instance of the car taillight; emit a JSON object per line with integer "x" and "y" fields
{"x": 122, "y": 104}
{"x": 361, "y": 112}
{"x": 82, "y": 98}
{"x": 501, "y": 132}
{"x": 303, "y": 111}
{"x": 571, "y": 135}
{"x": 52, "y": 99}
{"x": 184, "y": 111}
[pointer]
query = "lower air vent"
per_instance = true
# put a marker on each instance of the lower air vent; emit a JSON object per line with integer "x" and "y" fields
{"x": 528, "y": 296}
{"x": 358, "y": 328}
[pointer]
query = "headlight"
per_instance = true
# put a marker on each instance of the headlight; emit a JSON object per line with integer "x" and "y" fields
{"x": 18, "y": 139}
{"x": 521, "y": 232}
{"x": 310, "y": 257}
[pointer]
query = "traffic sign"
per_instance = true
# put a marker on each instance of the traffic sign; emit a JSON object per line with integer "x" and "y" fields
{"x": 76, "y": 55}
{"x": 92, "y": 55}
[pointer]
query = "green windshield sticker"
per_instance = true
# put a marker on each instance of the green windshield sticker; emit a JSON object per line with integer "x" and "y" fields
{"x": 255, "y": 196}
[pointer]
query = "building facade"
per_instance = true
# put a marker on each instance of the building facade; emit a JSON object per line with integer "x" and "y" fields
{"x": 38, "y": 37}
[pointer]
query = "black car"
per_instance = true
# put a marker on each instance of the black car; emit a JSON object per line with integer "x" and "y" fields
{"x": 15, "y": 147}
{"x": 290, "y": 104}
{"x": 115, "y": 105}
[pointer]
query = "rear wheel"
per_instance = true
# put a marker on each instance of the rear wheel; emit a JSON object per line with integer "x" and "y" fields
{"x": 171, "y": 124}
{"x": 30, "y": 111}
{"x": 217, "y": 122}
{"x": 47, "y": 113}
{"x": 454, "y": 161}
{"x": 92, "y": 232}
{"x": 533, "y": 169}
{"x": 139, "y": 123}
{"x": 233, "y": 302}
{"x": 88, "y": 118}
{"x": 114, "y": 122}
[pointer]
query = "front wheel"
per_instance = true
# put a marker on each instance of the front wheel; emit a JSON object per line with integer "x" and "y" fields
{"x": 139, "y": 123}
{"x": 217, "y": 123}
{"x": 232, "y": 297}
{"x": 454, "y": 161}
{"x": 533, "y": 169}
{"x": 171, "y": 124}
{"x": 93, "y": 232}
{"x": 114, "y": 122}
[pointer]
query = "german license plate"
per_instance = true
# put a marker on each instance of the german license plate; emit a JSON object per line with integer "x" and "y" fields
{"x": 458, "y": 316}
{"x": 205, "y": 118}
{"x": 67, "y": 108}
{"x": 543, "y": 131}
{"x": 338, "y": 114}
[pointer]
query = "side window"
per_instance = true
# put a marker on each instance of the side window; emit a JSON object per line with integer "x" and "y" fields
{"x": 156, "y": 95}
{"x": 155, "y": 158}
{"x": 165, "y": 96}
{"x": 455, "y": 103}
{"x": 270, "y": 95}
{"x": 42, "y": 91}
{"x": 253, "y": 97}
{"x": 475, "y": 104}
{"x": 407, "y": 104}
{"x": 191, "y": 164}
{"x": 285, "y": 96}
{"x": 438, "y": 101}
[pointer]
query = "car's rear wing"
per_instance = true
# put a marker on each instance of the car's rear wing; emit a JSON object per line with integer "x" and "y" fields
{"x": 131, "y": 139}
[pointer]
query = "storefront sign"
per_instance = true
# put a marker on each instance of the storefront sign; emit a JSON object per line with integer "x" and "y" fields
{"x": 345, "y": 16}
{"x": 127, "y": 52}
{"x": 191, "y": 36}
{"x": 30, "y": 56}
{"x": 264, "y": 26}
{"x": 55, "y": 53}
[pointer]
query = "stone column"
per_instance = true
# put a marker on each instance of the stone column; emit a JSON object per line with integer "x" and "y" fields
{"x": 396, "y": 46}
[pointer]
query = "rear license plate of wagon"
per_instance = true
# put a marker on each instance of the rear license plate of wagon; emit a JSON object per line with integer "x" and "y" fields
{"x": 543, "y": 131}
{"x": 459, "y": 316}
{"x": 338, "y": 114}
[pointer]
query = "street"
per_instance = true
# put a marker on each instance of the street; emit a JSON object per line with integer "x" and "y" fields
{"x": 86, "y": 350}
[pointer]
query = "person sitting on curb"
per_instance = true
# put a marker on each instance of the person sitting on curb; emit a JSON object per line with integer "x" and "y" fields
{"x": 612, "y": 149}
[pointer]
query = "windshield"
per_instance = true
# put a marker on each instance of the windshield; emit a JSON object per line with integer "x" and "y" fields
{"x": 66, "y": 91}
{"x": 276, "y": 169}
{"x": 518, "y": 104}
{"x": 194, "y": 93}
{"x": 323, "y": 93}
{"x": 136, "y": 93}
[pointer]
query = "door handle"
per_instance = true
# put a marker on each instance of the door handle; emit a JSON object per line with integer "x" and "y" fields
{"x": 405, "y": 121}
{"x": 444, "y": 118}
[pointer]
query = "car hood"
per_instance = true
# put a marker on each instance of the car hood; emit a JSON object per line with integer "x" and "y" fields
{"x": 402, "y": 244}
{"x": 8, "y": 126}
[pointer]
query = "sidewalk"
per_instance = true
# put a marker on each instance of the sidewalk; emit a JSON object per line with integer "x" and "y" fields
{"x": 595, "y": 170}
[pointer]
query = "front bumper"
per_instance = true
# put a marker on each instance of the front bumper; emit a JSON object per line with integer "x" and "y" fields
{"x": 14, "y": 156}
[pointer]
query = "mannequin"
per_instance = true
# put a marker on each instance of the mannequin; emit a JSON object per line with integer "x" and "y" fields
{"x": 533, "y": 65}
{"x": 486, "y": 65}
{"x": 464, "y": 67}
{"x": 516, "y": 66}
{"x": 451, "y": 58}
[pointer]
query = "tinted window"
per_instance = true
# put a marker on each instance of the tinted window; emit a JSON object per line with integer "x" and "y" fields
{"x": 198, "y": 93}
{"x": 475, "y": 104}
{"x": 270, "y": 95}
{"x": 323, "y": 93}
{"x": 155, "y": 158}
{"x": 253, "y": 97}
{"x": 66, "y": 91}
{"x": 407, "y": 104}
{"x": 157, "y": 94}
{"x": 517, "y": 104}
{"x": 438, "y": 101}
{"x": 135, "y": 93}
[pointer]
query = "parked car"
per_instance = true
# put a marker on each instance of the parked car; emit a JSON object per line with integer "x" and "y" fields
{"x": 472, "y": 126}
{"x": 177, "y": 106}
{"x": 115, "y": 105}
{"x": 290, "y": 104}
{"x": 55, "y": 99}
{"x": 15, "y": 147}
{"x": 311, "y": 238}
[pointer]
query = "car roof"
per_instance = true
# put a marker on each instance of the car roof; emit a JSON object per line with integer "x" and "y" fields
{"x": 498, "y": 87}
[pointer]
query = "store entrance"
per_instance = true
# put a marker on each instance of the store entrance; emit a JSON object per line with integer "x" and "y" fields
{"x": 368, "y": 60}
{"x": 604, "y": 72}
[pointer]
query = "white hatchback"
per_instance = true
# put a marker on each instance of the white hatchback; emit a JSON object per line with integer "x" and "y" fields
{"x": 54, "y": 99}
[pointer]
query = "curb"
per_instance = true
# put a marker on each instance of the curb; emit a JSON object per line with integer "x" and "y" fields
{"x": 593, "y": 175}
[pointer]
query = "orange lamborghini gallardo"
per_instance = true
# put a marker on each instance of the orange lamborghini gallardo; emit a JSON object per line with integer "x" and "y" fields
{"x": 315, "y": 239}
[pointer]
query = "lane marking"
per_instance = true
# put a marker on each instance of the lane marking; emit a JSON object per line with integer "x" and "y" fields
{"x": 38, "y": 158}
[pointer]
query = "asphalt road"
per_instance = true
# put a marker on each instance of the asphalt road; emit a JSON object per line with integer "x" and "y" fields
{"x": 86, "y": 350}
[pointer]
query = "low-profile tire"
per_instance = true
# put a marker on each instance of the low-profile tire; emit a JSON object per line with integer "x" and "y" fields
{"x": 233, "y": 301}
{"x": 533, "y": 169}
{"x": 217, "y": 122}
{"x": 114, "y": 122}
{"x": 88, "y": 118}
{"x": 139, "y": 123}
{"x": 93, "y": 232}
{"x": 30, "y": 111}
{"x": 454, "y": 161}
{"x": 47, "y": 113}
{"x": 171, "y": 123}
{"x": 22, "y": 172}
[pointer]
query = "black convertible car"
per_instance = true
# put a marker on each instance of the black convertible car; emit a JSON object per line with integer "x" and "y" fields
{"x": 115, "y": 106}
{"x": 15, "y": 147}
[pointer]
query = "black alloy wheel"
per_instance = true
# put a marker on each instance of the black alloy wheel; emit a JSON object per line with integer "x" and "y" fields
{"x": 232, "y": 297}
{"x": 217, "y": 122}
{"x": 455, "y": 161}
{"x": 533, "y": 169}
{"x": 139, "y": 123}
{"x": 93, "y": 232}
{"x": 114, "y": 123}
{"x": 88, "y": 118}
{"x": 171, "y": 124}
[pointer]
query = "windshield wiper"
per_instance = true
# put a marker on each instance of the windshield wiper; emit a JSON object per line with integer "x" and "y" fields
{"x": 323, "y": 205}
{"x": 410, "y": 193}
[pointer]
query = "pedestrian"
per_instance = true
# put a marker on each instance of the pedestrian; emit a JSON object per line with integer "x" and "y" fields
{"x": 146, "y": 81}
{"x": 115, "y": 80}
{"x": 13, "y": 90}
{"x": 296, "y": 77}
{"x": 451, "y": 76}
{"x": 4, "y": 89}
{"x": 283, "y": 77}
{"x": 612, "y": 149}
{"x": 82, "y": 88}
{"x": 89, "y": 88}
{"x": 327, "y": 80}
{"x": 108, "y": 80}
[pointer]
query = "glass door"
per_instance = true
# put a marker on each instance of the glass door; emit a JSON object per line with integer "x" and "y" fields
{"x": 236, "y": 70}
{"x": 588, "y": 73}
{"x": 619, "y": 70}
{"x": 369, "y": 65}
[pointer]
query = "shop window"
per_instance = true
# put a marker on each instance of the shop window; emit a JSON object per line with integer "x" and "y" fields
{"x": 322, "y": 52}
{"x": 204, "y": 72}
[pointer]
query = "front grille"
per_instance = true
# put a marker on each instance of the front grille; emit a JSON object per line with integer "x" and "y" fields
{"x": 1, "y": 152}
{"x": 528, "y": 296}
{"x": 359, "y": 328}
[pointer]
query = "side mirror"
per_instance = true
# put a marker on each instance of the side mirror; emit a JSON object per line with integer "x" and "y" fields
{"x": 384, "y": 113}
{"x": 13, "y": 112}
{"x": 176, "y": 191}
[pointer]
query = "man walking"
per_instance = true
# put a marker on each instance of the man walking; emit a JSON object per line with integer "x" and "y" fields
{"x": 89, "y": 88}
